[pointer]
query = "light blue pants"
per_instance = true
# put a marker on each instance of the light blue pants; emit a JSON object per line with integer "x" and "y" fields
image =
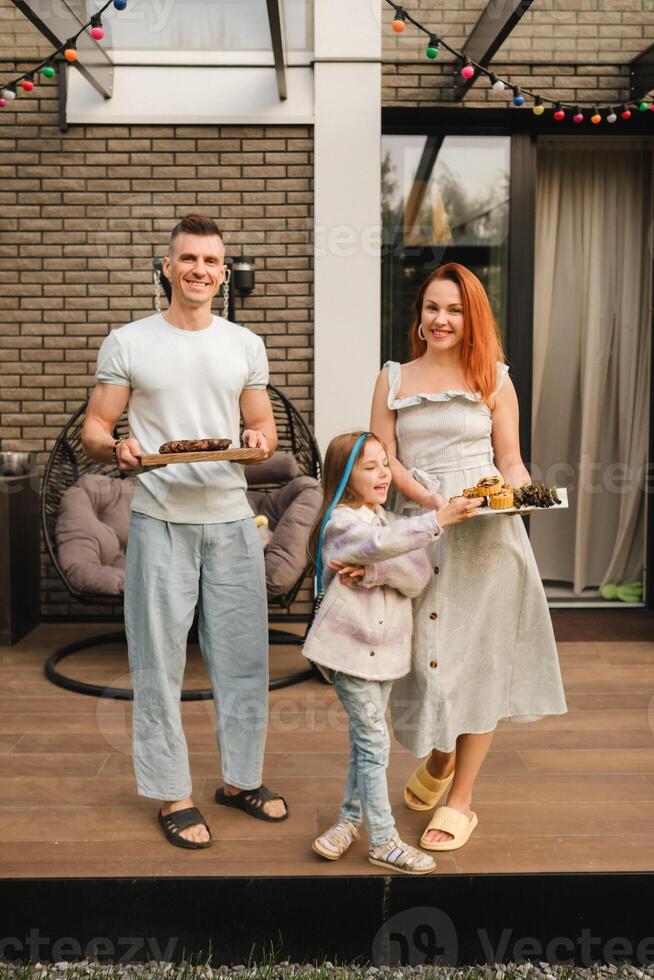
{"x": 169, "y": 569}
{"x": 366, "y": 788}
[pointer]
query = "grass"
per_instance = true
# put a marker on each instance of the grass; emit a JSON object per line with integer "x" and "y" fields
{"x": 272, "y": 970}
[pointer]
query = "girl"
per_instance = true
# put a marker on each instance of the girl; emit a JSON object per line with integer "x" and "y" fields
{"x": 483, "y": 645}
{"x": 361, "y": 635}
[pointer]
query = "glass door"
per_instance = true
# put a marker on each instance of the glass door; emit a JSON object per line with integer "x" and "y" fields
{"x": 444, "y": 199}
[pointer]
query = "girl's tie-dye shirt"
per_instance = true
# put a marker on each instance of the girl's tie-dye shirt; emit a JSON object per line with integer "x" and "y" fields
{"x": 365, "y": 630}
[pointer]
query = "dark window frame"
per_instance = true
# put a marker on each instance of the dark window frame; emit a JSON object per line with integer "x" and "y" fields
{"x": 524, "y": 129}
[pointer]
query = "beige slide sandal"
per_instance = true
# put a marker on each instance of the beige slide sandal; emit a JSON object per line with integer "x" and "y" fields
{"x": 450, "y": 821}
{"x": 426, "y": 787}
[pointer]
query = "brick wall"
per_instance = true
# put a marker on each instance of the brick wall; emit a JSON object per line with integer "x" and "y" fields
{"x": 83, "y": 213}
{"x": 573, "y": 50}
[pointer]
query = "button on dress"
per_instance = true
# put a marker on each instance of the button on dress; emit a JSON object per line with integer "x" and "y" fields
{"x": 483, "y": 618}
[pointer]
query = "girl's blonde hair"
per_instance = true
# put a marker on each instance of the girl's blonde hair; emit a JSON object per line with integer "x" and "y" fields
{"x": 336, "y": 458}
{"x": 482, "y": 343}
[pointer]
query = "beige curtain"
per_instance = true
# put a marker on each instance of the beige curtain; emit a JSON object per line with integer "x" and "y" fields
{"x": 592, "y": 335}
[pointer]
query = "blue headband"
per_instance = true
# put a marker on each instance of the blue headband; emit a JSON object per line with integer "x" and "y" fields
{"x": 356, "y": 449}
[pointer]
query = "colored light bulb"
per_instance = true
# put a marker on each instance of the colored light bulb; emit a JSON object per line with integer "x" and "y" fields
{"x": 432, "y": 47}
{"x": 120, "y": 4}
{"x": 596, "y": 118}
{"x": 539, "y": 108}
{"x": 559, "y": 114}
{"x": 27, "y": 85}
{"x": 644, "y": 106}
{"x": 467, "y": 71}
{"x": 398, "y": 25}
{"x": 518, "y": 97}
{"x": 578, "y": 116}
{"x": 626, "y": 113}
{"x": 97, "y": 30}
{"x": 70, "y": 53}
{"x": 48, "y": 71}
{"x": 496, "y": 83}
{"x": 3, "y": 103}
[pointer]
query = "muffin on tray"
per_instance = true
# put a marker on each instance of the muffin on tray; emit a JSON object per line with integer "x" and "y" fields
{"x": 488, "y": 486}
{"x": 503, "y": 498}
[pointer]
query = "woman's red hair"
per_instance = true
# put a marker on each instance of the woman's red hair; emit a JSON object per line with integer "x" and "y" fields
{"x": 482, "y": 343}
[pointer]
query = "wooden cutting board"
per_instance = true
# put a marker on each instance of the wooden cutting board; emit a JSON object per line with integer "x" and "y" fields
{"x": 223, "y": 455}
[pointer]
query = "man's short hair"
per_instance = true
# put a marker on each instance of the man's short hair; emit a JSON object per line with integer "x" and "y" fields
{"x": 194, "y": 224}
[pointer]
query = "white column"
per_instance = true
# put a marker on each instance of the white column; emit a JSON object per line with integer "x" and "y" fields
{"x": 347, "y": 213}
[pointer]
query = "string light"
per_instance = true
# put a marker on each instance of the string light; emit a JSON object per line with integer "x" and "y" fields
{"x": 468, "y": 69}
{"x": 432, "y": 47}
{"x": 497, "y": 84}
{"x": 28, "y": 80}
{"x": 398, "y": 25}
{"x": 97, "y": 30}
{"x": 70, "y": 51}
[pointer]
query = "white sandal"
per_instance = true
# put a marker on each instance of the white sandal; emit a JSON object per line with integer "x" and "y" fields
{"x": 334, "y": 842}
{"x": 398, "y": 856}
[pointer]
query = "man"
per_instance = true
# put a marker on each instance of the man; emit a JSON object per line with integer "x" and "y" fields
{"x": 186, "y": 374}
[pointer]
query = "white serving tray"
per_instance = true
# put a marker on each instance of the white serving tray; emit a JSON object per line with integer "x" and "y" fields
{"x": 563, "y": 497}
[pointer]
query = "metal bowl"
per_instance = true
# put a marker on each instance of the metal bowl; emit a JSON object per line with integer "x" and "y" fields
{"x": 16, "y": 464}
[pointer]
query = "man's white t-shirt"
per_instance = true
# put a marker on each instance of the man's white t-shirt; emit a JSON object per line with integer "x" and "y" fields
{"x": 185, "y": 384}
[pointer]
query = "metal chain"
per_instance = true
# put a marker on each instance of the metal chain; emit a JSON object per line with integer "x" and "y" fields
{"x": 157, "y": 290}
{"x": 228, "y": 276}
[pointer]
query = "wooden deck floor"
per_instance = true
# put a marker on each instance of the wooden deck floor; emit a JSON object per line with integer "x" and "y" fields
{"x": 570, "y": 793}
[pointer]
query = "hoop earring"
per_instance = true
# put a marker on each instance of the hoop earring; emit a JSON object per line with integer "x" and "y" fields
{"x": 226, "y": 281}
{"x": 157, "y": 290}
{"x": 421, "y": 334}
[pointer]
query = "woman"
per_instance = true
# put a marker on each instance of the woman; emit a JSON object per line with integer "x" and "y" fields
{"x": 483, "y": 645}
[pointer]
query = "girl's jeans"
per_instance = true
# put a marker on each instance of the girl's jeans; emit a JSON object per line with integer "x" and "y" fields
{"x": 366, "y": 790}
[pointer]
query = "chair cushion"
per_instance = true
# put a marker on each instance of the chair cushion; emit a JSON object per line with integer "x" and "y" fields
{"x": 91, "y": 533}
{"x": 94, "y": 517}
{"x": 280, "y": 468}
{"x": 291, "y": 512}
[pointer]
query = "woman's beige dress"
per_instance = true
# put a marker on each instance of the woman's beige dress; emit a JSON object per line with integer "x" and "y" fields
{"x": 483, "y": 644}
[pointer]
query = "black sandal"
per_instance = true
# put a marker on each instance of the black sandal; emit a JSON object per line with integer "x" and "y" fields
{"x": 251, "y": 801}
{"x": 173, "y": 823}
